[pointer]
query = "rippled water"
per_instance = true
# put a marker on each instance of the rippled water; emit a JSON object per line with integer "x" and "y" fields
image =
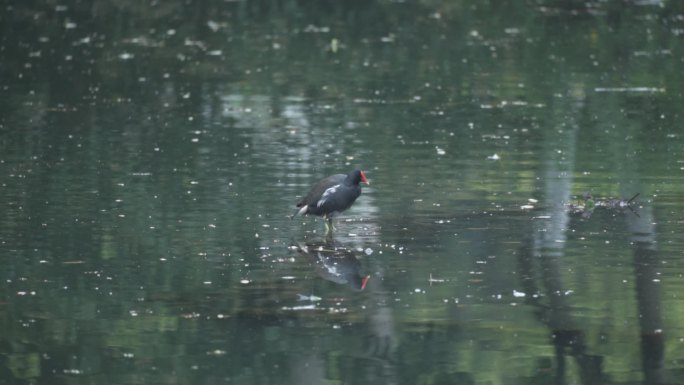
{"x": 151, "y": 156}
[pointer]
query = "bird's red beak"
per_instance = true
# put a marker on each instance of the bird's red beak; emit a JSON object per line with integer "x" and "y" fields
{"x": 364, "y": 179}
{"x": 364, "y": 281}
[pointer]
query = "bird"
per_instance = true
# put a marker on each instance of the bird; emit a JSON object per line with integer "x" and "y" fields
{"x": 332, "y": 195}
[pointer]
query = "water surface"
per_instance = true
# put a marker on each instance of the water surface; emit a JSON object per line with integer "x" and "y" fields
{"x": 151, "y": 155}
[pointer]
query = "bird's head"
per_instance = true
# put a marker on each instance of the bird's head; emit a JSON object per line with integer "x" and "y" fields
{"x": 362, "y": 177}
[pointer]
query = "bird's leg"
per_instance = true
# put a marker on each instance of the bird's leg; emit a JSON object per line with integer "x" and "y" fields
{"x": 329, "y": 225}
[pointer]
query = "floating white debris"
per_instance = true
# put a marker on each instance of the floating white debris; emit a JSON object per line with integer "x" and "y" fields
{"x": 310, "y": 298}
{"x": 630, "y": 89}
{"x": 288, "y": 277}
{"x": 314, "y": 29}
{"x": 126, "y": 56}
{"x": 303, "y": 307}
{"x": 532, "y": 200}
{"x": 388, "y": 39}
{"x": 494, "y": 157}
{"x": 245, "y": 281}
{"x": 440, "y": 151}
{"x": 526, "y": 207}
{"x": 431, "y": 279}
{"x": 518, "y": 294}
{"x": 368, "y": 251}
{"x": 213, "y": 26}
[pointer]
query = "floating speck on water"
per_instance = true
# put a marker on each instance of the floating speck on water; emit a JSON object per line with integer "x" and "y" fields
{"x": 298, "y": 308}
{"x": 630, "y": 89}
{"x": 216, "y": 52}
{"x": 245, "y": 281}
{"x": 214, "y": 26}
{"x": 440, "y": 151}
{"x": 133, "y": 313}
{"x": 207, "y": 282}
{"x": 368, "y": 251}
{"x": 518, "y": 294}
{"x": 128, "y": 355}
{"x": 494, "y": 157}
{"x": 288, "y": 277}
{"x": 126, "y": 56}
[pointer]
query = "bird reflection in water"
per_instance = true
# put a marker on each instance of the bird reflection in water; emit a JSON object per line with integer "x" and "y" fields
{"x": 335, "y": 263}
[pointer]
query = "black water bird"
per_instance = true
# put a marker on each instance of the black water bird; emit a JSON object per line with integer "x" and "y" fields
{"x": 332, "y": 195}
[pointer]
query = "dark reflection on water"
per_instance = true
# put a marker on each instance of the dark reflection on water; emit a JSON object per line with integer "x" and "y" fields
{"x": 150, "y": 156}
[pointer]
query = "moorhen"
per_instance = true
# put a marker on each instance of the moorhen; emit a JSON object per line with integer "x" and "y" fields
{"x": 331, "y": 196}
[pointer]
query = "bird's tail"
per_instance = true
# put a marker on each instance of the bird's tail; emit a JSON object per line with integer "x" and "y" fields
{"x": 300, "y": 211}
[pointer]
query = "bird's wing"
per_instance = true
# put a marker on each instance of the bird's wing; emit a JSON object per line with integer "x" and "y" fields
{"x": 326, "y": 194}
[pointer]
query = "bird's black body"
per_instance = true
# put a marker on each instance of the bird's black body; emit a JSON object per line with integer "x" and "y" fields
{"x": 332, "y": 195}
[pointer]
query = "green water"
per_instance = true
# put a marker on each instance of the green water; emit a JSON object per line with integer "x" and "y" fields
{"x": 151, "y": 154}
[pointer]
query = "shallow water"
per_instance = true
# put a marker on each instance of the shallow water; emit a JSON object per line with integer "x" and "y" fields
{"x": 151, "y": 155}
